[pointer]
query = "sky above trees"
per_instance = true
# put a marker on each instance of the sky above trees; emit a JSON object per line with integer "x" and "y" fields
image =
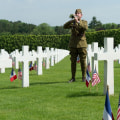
{"x": 56, "y": 12}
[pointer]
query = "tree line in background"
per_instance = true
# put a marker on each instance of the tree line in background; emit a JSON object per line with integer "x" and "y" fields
{"x": 18, "y": 27}
{"x": 96, "y": 25}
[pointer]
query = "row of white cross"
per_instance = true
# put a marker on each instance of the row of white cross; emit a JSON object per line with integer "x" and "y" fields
{"x": 5, "y": 62}
{"x": 107, "y": 54}
{"x": 25, "y": 56}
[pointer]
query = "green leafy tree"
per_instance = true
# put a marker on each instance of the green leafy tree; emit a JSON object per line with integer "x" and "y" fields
{"x": 5, "y": 26}
{"x": 110, "y": 26}
{"x": 60, "y": 30}
{"x": 94, "y": 24}
{"x": 118, "y": 26}
{"x": 43, "y": 29}
{"x": 15, "y": 27}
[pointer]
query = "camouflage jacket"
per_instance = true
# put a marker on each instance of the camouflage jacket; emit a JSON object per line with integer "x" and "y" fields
{"x": 78, "y": 38}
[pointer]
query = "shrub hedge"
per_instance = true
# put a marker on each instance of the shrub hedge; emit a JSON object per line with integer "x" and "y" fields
{"x": 12, "y": 42}
{"x": 99, "y": 36}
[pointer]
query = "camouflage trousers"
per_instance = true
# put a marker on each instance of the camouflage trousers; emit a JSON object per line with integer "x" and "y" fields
{"x": 74, "y": 52}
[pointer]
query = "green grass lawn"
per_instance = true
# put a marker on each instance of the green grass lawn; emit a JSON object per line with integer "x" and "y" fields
{"x": 51, "y": 97}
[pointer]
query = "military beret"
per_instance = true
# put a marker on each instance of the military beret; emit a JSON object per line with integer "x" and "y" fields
{"x": 78, "y": 11}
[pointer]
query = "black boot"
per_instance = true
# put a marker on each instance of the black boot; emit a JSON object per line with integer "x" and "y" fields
{"x": 72, "y": 80}
{"x": 83, "y": 79}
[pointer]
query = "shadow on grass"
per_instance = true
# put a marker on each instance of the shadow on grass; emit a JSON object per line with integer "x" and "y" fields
{"x": 35, "y": 83}
{"x": 10, "y": 87}
{"x": 118, "y": 67}
{"x": 84, "y": 93}
{"x": 32, "y": 74}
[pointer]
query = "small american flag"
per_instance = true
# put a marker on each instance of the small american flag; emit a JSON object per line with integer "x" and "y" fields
{"x": 13, "y": 63}
{"x": 89, "y": 67}
{"x": 118, "y": 112}
{"x": 13, "y": 75}
{"x": 87, "y": 78}
{"x": 19, "y": 74}
{"x": 30, "y": 66}
{"x": 78, "y": 59}
{"x": 95, "y": 78}
{"x": 44, "y": 63}
{"x": 35, "y": 66}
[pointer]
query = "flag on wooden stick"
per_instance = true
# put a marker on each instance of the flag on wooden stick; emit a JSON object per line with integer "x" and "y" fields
{"x": 118, "y": 112}
{"x": 95, "y": 78}
{"x": 89, "y": 67}
{"x": 35, "y": 66}
{"x": 78, "y": 59}
{"x": 30, "y": 66}
{"x": 13, "y": 63}
{"x": 13, "y": 75}
{"x": 19, "y": 74}
{"x": 87, "y": 78}
{"x": 107, "y": 113}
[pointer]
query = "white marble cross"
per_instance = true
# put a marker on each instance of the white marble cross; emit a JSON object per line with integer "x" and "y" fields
{"x": 48, "y": 58}
{"x": 94, "y": 62}
{"x": 46, "y": 55}
{"x": 90, "y": 55}
{"x": 34, "y": 54}
{"x": 16, "y": 54}
{"x": 5, "y": 61}
{"x": 39, "y": 60}
{"x": 108, "y": 56}
{"x": 118, "y": 51}
{"x": 25, "y": 58}
{"x": 40, "y": 55}
{"x": 61, "y": 54}
{"x": 52, "y": 56}
{"x": 56, "y": 55}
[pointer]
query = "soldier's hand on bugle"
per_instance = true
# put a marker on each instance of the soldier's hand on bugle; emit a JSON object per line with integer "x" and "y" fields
{"x": 76, "y": 18}
{"x": 73, "y": 16}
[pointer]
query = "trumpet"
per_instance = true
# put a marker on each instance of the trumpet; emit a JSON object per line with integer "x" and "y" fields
{"x": 72, "y": 16}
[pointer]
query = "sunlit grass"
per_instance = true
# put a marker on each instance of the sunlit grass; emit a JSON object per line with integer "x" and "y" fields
{"x": 51, "y": 97}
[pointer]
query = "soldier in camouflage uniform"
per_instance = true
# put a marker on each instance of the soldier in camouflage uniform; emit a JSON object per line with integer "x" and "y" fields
{"x": 77, "y": 43}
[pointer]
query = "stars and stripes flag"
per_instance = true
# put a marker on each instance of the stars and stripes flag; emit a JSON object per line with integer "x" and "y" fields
{"x": 13, "y": 63}
{"x": 43, "y": 63}
{"x": 13, "y": 76}
{"x": 118, "y": 112}
{"x": 95, "y": 78}
{"x": 30, "y": 66}
{"x": 87, "y": 78}
{"x": 35, "y": 66}
{"x": 107, "y": 113}
{"x": 89, "y": 67}
{"x": 78, "y": 59}
{"x": 19, "y": 74}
